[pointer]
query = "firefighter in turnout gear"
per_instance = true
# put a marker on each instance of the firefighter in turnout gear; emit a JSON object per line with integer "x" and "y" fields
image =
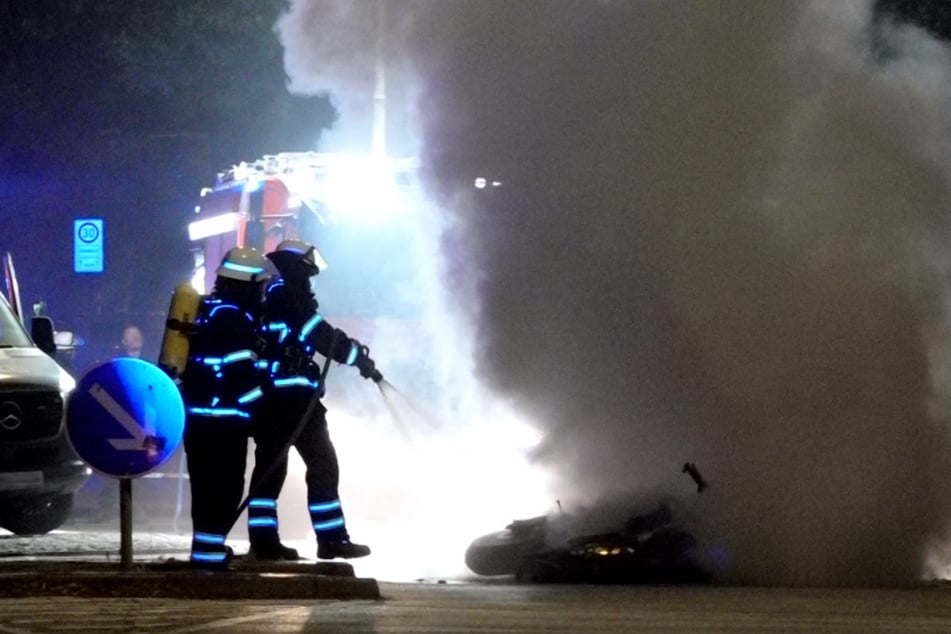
{"x": 223, "y": 380}
{"x": 296, "y": 331}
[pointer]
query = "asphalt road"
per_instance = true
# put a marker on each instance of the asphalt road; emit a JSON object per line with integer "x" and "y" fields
{"x": 461, "y": 607}
{"x": 506, "y": 608}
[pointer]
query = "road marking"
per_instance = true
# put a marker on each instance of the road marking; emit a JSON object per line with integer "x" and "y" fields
{"x": 278, "y": 615}
{"x": 131, "y": 425}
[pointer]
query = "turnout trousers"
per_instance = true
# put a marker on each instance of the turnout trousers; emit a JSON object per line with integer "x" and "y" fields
{"x": 285, "y": 411}
{"x": 216, "y": 453}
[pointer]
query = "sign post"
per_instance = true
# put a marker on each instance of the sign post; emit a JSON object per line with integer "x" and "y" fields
{"x": 125, "y": 418}
{"x": 125, "y": 523}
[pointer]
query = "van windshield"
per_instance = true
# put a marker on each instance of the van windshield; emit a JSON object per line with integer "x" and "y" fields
{"x": 12, "y": 333}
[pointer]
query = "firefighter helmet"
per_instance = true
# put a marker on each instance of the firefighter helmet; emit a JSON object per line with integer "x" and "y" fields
{"x": 244, "y": 265}
{"x": 294, "y": 253}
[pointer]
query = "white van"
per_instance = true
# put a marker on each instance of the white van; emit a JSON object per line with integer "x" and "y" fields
{"x": 39, "y": 471}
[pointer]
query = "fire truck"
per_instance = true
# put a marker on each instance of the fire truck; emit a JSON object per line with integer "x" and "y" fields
{"x": 364, "y": 216}
{"x": 310, "y": 196}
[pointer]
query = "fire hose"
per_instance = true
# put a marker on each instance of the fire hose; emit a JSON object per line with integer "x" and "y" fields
{"x": 376, "y": 375}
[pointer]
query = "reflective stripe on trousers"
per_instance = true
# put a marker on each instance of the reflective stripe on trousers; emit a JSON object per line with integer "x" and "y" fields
{"x": 327, "y": 518}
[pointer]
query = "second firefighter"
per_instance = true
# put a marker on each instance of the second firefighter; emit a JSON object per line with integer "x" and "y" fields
{"x": 294, "y": 413}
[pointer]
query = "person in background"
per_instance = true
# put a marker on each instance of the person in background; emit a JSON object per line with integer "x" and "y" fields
{"x": 132, "y": 342}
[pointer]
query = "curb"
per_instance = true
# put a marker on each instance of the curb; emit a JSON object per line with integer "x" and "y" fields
{"x": 174, "y": 579}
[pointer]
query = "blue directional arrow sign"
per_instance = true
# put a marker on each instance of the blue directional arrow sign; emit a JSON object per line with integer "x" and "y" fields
{"x": 125, "y": 417}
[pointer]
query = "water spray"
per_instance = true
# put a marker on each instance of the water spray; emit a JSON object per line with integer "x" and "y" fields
{"x": 390, "y": 394}
{"x": 407, "y": 401}
{"x": 385, "y": 386}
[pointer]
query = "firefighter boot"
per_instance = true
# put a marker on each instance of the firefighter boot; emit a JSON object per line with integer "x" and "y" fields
{"x": 342, "y": 549}
{"x": 272, "y": 550}
{"x": 262, "y": 532}
{"x": 331, "y": 529}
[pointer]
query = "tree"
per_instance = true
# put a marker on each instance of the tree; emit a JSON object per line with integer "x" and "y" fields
{"x": 124, "y": 109}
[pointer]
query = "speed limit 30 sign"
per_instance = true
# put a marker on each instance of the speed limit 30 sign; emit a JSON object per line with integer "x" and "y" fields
{"x": 87, "y": 245}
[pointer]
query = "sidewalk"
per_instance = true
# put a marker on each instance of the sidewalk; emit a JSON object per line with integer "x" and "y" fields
{"x": 175, "y": 579}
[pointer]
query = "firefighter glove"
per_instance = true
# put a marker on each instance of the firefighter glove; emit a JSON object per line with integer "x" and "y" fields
{"x": 367, "y": 366}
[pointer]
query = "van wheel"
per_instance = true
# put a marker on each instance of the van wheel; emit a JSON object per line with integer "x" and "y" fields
{"x": 37, "y": 516}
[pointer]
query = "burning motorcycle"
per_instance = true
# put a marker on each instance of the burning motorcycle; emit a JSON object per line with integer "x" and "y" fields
{"x": 652, "y": 546}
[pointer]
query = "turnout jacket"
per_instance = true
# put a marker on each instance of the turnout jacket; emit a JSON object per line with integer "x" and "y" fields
{"x": 224, "y": 374}
{"x": 295, "y": 331}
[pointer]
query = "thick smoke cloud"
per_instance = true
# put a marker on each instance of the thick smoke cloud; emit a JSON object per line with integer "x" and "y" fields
{"x": 331, "y": 47}
{"x": 721, "y": 237}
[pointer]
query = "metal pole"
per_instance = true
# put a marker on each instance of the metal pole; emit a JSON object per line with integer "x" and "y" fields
{"x": 125, "y": 523}
{"x": 378, "y": 149}
{"x": 181, "y": 491}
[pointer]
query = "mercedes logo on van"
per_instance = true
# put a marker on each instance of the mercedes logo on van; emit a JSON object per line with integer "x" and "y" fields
{"x": 11, "y": 416}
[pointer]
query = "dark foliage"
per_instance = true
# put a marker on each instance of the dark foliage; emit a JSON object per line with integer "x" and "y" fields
{"x": 124, "y": 109}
